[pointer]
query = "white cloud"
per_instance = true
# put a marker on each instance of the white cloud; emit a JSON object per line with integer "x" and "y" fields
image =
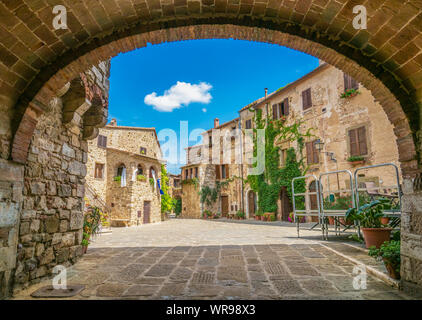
{"x": 204, "y": 110}
{"x": 182, "y": 93}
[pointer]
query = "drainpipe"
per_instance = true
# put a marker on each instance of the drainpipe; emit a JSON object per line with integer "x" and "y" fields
{"x": 266, "y": 106}
{"x": 242, "y": 200}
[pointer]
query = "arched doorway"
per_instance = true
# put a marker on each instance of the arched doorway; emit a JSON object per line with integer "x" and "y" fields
{"x": 252, "y": 203}
{"x": 285, "y": 206}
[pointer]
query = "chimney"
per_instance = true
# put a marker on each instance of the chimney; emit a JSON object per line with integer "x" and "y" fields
{"x": 216, "y": 122}
{"x": 113, "y": 122}
{"x": 266, "y": 92}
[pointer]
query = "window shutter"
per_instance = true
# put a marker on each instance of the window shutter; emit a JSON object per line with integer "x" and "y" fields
{"x": 354, "y": 84}
{"x": 227, "y": 171}
{"x": 99, "y": 141}
{"x": 105, "y": 141}
{"x": 286, "y": 107}
{"x": 309, "y": 152}
{"x": 274, "y": 111}
{"x": 363, "y": 149}
{"x": 353, "y": 142}
{"x": 217, "y": 172}
{"x": 315, "y": 153}
{"x": 309, "y": 97}
{"x": 304, "y": 100}
{"x": 346, "y": 81}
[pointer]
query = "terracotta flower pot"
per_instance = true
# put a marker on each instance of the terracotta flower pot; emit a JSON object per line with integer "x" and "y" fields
{"x": 376, "y": 236}
{"x": 257, "y": 218}
{"x": 331, "y": 220}
{"x": 392, "y": 273}
{"x": 84, "y": 249}
{"x": 385, "y": 220}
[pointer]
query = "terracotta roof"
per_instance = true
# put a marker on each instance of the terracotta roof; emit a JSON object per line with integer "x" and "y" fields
{"x": 224, "y": 124}
{"x": 136, "y": 154}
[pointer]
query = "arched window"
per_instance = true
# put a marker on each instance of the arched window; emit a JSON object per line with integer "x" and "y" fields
{"x": 121, "y": 175}
{"x": 152, "y": 173}
{"x": 140, "y": 170}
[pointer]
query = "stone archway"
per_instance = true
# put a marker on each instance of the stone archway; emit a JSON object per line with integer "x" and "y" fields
{"x": 39, "y": 62}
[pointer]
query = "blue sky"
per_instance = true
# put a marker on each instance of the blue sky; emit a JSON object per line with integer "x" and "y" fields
{"x": 216, "y": 79}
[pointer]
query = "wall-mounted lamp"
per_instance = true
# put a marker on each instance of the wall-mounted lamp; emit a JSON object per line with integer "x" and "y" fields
{"x": 319, "y": 145}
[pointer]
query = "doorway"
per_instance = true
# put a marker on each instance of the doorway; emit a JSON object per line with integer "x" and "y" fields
{"x": 251, "y": 204}
{"x": 285, "y": 204}
{"x": 225, "y": 205}
{"x": 147, "y": 211}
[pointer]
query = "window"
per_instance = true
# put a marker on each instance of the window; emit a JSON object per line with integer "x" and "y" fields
{"x": 350, "y": 83}
{"x": 224, "y": 171}
{"x": 210, "y": 140}
{"x": 281, "y": 109}
{"x": 306, "y": 99}
{"x": 102, "y": 141}
{"x": 358, "y": 142}
{"x": 217, "y": 172}
{"x": 312, "y": 152}
{"x": 283, "y": 156}
{"x": 196, "y": 172}
{"x": 120, "y": 170}
{"x": 143, "y": 151}
{"x": 99, "y": 170}
{"x": 248, "y": 124}
{"x": 284, "y": 107}
{"x": 186, "y": 174}
{"x": 140, "y": 170}
{"x": 190, "y": 173}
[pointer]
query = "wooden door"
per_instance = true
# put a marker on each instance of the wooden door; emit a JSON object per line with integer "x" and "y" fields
{"x": 251, "y": 203}
{"x": 147, "y": 211}
{"x": 286, "y": 205}
{"x": 224, "y": 205}
{"x": 313, "y": 200}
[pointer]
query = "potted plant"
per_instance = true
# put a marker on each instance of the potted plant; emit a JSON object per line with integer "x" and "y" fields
{"x": 355, "y": 160}
{"x": 385, "y": 221}
{"x": 117, "y": 179}
{"x": 141, "y": 177}
{"x": 389, "y": 252}
{"x": 91, "y": 226}
{"x": 240, "y": 215}
{"x": 349, "y": 93}
{"x": 369, "y": 216}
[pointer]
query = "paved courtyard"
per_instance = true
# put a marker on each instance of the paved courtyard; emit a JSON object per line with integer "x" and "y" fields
{"x": 200, "y": 259}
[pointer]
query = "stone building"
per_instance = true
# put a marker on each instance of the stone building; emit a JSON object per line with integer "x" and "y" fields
{"x": 343, "y": 127}
{"x": 123, "y": 169}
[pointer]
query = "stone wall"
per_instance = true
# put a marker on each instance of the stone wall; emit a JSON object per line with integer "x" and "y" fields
{"x": 11, "y": 186}
{"x": 44, "y": 198}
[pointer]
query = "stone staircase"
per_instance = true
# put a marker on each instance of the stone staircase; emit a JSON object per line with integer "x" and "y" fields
{"x": 93, "y": 199}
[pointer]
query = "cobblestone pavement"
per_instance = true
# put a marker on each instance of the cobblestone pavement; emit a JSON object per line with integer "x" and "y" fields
{"x": 199, "y": 259}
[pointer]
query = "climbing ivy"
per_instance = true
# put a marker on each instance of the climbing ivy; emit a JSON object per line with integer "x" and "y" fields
{"x": 268, "y": 184}
{"x": 167, "y": 202}
{"x": 210, "y": 195}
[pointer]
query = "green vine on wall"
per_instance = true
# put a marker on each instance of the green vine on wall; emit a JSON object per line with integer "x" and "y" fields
{"x": 269, "y": 183}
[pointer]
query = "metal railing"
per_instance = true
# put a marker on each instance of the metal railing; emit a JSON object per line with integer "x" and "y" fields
{"x": 323, "y": 214}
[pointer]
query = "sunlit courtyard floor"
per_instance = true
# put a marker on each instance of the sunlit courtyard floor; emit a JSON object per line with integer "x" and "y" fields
{"x": 203, "y": 259}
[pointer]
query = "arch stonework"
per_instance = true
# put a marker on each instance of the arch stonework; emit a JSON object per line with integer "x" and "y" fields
{"x": 36, "y": 62}
{"x": 396, "y": 114}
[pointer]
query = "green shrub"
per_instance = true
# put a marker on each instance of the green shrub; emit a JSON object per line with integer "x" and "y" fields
{"x": 389, "y": 252}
